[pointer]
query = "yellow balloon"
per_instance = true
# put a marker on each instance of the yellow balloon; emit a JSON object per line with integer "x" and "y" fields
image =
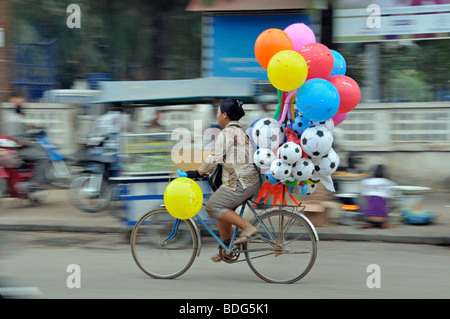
{"x": 183, "y": 198}
{"x": 287, "y": 70}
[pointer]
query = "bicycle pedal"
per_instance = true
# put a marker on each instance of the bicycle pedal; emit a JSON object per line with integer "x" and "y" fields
{"x": 231, "y": 260}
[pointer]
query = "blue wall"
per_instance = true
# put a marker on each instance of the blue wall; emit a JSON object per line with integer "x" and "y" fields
{"x": 230, "y": 43}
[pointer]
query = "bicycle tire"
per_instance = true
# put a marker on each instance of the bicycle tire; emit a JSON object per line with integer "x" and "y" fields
{"x": 157, "y": 256}
{"x": 90, "y": 204}
{"x": 53, "y": 179}
{"x": 285, "y": 239}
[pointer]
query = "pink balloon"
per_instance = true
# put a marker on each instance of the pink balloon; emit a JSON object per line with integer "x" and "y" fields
{"x": 300, "y": 35}
{"x": 339, "y": 118}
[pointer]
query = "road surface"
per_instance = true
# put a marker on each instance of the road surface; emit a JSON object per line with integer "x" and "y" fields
{"x": 43, "y": 264}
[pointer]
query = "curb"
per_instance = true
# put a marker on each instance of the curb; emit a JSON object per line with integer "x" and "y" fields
{"x": 327, "y": 235}
{"x": 70, "y": 229}
{"x": 398, "y": 239}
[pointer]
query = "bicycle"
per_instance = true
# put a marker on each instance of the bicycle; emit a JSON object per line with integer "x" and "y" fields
{"x": 284, "y": 251}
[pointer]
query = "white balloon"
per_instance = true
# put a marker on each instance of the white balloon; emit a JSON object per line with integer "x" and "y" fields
{"x": 316, "y": 140}
{"x": 280, "y": 170}
{"x": 268, "y": 133}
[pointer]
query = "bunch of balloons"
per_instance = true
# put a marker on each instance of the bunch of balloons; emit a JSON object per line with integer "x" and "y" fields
{"x": 314, "y": 96}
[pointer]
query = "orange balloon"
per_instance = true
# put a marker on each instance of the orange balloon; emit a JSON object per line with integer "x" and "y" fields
{"x": 270, "y": 42}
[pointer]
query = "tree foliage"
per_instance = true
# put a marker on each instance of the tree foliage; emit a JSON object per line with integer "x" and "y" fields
{"x": 152, "y": 40}
{"x": 409, "y": 70}
{"x": 132, "y": 40}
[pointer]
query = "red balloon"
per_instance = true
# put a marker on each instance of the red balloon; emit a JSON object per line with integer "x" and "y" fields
{"x": 349, "y": 92}
{"x": 319, "y": 59}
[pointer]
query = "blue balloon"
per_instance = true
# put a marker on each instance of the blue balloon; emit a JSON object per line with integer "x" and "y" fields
{"x": 318, "y": 100}
{"x": 250, "y": 128}
{"x": 291, "y": 189}
{"x": 339, "y": 66}
{"x": 269, "y": 177}
{"x": 304, "y": 189}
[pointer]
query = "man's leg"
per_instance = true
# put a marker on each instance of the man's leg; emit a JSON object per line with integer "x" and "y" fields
{"x": 229, "y": 218}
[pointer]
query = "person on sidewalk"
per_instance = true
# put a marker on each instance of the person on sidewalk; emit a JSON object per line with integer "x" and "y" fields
{"x": 377, "y": 192}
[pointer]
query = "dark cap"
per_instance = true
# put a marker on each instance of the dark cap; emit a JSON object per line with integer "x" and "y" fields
{"x": 233, "y": 108}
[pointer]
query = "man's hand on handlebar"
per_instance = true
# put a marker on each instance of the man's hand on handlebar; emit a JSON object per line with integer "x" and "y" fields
{"x": 190, "y": 174}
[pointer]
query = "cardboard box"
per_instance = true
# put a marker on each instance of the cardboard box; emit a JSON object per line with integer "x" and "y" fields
{"x": 317, "y": 213}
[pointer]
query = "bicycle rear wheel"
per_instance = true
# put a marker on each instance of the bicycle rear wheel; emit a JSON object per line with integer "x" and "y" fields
{"x": 286, "y": 249}
{"x": 163, "y": 247}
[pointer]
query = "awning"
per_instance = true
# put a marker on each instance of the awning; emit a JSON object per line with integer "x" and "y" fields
{"x": 253, "y": 5}
{"x": 176, "y": 91}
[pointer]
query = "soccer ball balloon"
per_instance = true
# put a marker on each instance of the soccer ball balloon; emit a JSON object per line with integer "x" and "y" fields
{"x": 329, "y": 124}
{"x": 263, "y": 157}
{"x": 280, "y": 170}
{"x": 290, "y": 152}
{"x": 317, "y": 141}
{"x": 300, "y": 124}
{"x": 310, "y": 188}
{"x": 328, "y": 164}
{"x": 303, "y": 169}
{"x": 268, "y": 133}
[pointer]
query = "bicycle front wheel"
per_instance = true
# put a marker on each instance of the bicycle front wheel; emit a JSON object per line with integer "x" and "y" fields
{"x": 286, "y": 249}
{"x": 163, "y": 247}
{"x": 88, "y": 198}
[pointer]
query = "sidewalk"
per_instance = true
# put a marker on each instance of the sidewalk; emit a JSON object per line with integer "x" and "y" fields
{"x": 56, "y": 213}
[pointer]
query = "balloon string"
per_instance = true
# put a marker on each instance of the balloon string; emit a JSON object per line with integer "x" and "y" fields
{"x": 289, "y": 111}
{"x": 291, "y": 114}
{"x": 278, "y": 110}
{"x": 286, "y": 107}
{"x": 282, "y": 106}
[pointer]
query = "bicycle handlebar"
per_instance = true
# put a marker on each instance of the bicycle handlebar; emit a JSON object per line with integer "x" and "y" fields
{"x": 181, "y": 173}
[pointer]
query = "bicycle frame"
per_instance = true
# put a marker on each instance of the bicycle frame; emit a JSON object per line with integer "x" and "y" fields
{"x": 211, "y": 232}
{"x": 227, "y": 249}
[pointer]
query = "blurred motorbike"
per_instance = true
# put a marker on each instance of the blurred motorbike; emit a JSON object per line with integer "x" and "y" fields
{"x": 15, "y": 175}
{"x": 92, "y": 191}
{"x": 57, "y": 172}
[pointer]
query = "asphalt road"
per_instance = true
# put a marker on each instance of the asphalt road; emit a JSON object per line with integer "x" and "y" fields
{"x": 40, "y": 263}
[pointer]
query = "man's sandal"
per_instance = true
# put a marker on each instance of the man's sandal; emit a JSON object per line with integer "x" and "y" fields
{"x": 245, "y": 238}
{"x": 222, "y": 255}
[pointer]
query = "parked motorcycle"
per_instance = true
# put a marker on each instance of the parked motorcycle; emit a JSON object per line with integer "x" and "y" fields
{"x": 15, "y": 175}
{"x": 92, "y": 191}
{"x": 57, "y": 172}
